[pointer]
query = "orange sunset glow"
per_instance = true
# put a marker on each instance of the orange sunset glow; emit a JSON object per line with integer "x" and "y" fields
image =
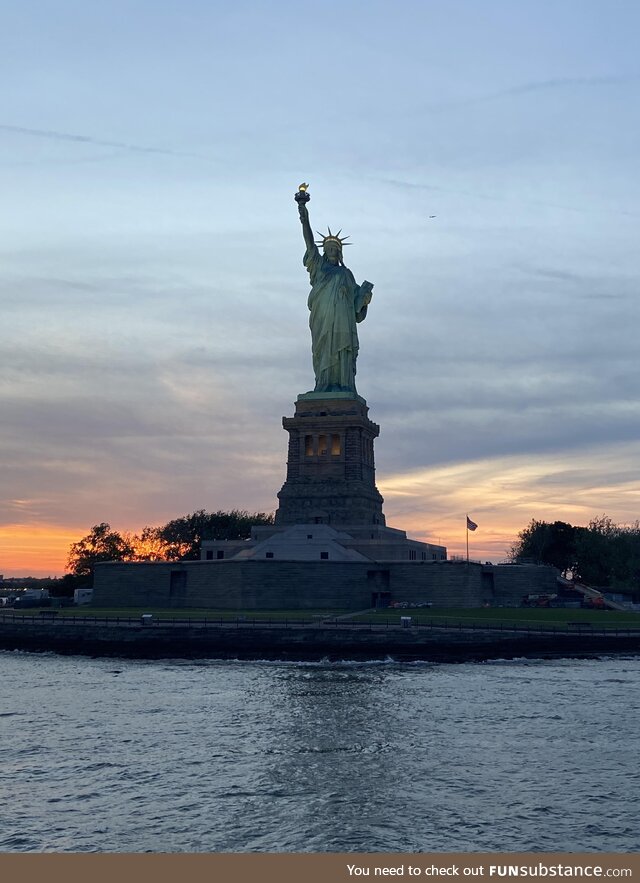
{"x": 36, "y": 549}
{"x": 500, "y": 494}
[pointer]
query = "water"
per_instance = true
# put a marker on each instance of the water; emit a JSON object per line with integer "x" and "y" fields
{"x": 133, "y": 756}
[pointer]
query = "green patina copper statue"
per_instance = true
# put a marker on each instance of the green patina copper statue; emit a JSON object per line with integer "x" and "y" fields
{"x": 336, "y": 303}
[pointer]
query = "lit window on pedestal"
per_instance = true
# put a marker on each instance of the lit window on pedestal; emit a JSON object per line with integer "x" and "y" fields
{"x": 322, "y": 445}
{"x": 335, "y": 445}
{"x": 308, "y": 446}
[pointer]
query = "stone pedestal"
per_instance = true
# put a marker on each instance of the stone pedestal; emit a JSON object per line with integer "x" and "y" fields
{"x": 330, "y": 464}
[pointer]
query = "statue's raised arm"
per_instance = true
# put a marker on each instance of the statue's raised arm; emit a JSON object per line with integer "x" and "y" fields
{"x": 336, "y": 303}
{"x": 302, "y": 198}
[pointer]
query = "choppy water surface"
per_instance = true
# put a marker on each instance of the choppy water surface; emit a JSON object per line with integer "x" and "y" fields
{"x": 169, "y": 756}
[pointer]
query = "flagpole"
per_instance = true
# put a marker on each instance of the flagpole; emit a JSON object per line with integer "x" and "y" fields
{"x": 471, "y": 525}
{"x": 467, "y": 523}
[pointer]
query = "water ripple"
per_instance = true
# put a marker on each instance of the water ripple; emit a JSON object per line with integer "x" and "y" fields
{"x": 247, "y": 756}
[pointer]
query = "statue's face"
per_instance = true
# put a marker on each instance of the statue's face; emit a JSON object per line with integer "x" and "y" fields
{"x": 332, "y": 253}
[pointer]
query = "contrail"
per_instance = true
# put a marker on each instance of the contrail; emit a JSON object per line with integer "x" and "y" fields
{"x": 88, "y": 139}
{"x": 533, "y": 86}
{"x": 413, "y": 185}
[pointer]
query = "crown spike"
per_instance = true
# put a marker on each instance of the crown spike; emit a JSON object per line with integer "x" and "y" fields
{"x": 333, "y": 237}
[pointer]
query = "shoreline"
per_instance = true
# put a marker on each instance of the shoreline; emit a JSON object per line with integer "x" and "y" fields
{"x": 237, "y": 640}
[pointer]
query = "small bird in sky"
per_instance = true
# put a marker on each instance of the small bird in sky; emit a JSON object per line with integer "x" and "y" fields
{"x": 432, "y": 216}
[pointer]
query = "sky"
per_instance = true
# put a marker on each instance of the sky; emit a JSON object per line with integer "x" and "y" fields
{"x": 484, "y": 158}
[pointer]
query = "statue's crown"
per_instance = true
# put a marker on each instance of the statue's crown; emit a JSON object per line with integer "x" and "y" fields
{"x": 332, "y": 237}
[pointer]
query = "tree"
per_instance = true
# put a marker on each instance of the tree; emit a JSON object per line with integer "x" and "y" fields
{"x": 609, "y": 553}
{"x": 602, "y": 554}
{"x": 545, "y": 543}
{"x": 148, "y": 545}
{"x": 66, "y": 586}
{"x": 100, "y": 544}
{"x": 183, "y": 536}
{"x": 178, "y": 540}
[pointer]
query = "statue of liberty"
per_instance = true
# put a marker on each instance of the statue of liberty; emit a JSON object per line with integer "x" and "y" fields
{"x": 336, "y": 304}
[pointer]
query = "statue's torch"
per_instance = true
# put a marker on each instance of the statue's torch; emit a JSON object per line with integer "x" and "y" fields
{"x": 302, "y": 197}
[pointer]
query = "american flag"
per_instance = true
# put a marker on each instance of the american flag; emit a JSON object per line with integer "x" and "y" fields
{"x": 471, "y": 525}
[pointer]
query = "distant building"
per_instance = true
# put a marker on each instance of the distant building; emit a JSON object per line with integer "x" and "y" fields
{"x": 313, "y": 542}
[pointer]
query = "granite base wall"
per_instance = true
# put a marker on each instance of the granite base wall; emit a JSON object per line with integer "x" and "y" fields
{"x": 505, "y": 585}
{"x": 300, "y": 585}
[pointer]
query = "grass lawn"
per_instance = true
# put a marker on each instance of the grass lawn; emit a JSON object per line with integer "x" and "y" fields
{"x": 494, "y": 616}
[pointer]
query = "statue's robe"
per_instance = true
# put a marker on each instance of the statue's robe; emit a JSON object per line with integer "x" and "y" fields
{"x": 336, "y": 303}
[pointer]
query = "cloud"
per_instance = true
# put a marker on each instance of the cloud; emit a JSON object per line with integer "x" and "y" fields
{"x": 155, "y": 326}
{"x": 126, "y": 439}
{"x": 148, "y": 395}
{"x": 504, "y": 493}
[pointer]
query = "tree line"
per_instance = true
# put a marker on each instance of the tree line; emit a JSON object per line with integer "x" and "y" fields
{"x": 602, "y": 554}
{"x": 177, "y": 540}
